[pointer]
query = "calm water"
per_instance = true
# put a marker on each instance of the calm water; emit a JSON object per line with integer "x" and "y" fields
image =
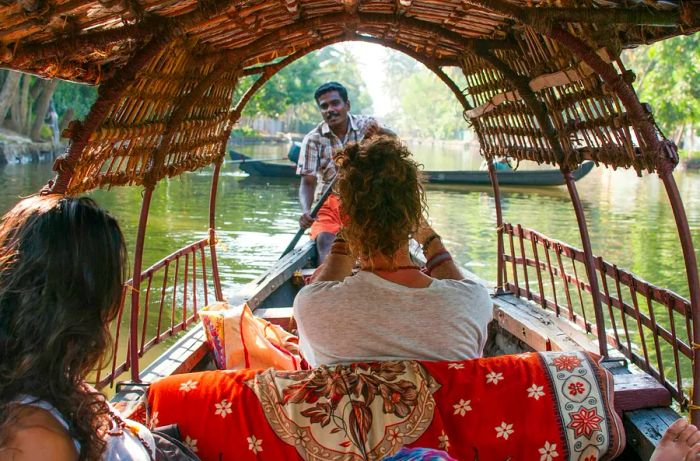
{"x": 630, "y": 221}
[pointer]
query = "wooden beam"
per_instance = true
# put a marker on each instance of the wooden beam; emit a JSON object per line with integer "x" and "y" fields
{"x": 541, "y": 82}
{"x": 353, "y": 20}
{"x": 180, "y": 111}
{"x": 108, "y": 93}
{"x": 602, "y": 16}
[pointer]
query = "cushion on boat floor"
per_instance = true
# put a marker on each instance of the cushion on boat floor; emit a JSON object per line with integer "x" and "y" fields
{"x": 547, "y": 406}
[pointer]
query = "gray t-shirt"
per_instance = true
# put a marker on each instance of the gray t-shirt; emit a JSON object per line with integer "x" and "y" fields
{"x": 367, "y": 318}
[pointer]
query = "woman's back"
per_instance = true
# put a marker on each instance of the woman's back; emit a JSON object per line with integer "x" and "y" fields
{"x": 368, "y": 318}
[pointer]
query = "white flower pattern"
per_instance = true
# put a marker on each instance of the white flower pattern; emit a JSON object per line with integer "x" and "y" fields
{"x": 456, "y": 366}
{"x": 188, "y": 386}
{"x": 462, "y": 407}
{"x": 223, "y": 408}
{"x": 154, "y": 420}
{"x": 444, "y": 441}
{"x": 504, "y": 430}
{"x": 300, "y": 437}
{"x": 494, "y": 377}
{"x": 254, "y": 444}
{"x": 535, "y": 391}
{"x": 191, "y": 444}
{"x": 548, "y": 452}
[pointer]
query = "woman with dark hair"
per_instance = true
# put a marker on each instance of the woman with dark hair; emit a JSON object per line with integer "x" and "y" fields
{"x": 62, "y": 266}
{"x": 390, "y": 310}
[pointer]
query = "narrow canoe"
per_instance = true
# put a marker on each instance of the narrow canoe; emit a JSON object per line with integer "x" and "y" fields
{"x": 533, "y": 178}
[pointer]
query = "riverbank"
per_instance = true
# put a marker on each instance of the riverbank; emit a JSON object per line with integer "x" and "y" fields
{"x": 15, "y": 148}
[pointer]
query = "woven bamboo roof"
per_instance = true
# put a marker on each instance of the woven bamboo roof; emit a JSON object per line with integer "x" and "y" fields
{"x": 545, "y": 81}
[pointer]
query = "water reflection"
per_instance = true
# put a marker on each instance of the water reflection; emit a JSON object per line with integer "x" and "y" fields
{"x": 630, "y": 221}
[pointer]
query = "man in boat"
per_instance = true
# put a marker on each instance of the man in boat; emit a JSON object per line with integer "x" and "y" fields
{"x": 316, "y": 167}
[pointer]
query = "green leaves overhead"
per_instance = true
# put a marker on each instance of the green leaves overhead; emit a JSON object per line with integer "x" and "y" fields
{"x": 292, "y": 88}
{"x": 668, "y": 78}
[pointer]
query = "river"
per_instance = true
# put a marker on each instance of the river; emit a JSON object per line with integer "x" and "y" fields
{"x": 629, "y": 218}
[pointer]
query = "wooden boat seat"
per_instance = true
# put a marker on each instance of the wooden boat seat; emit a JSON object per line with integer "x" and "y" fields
{"x": 543, "y": 331}
{"x": 483, "y": 407}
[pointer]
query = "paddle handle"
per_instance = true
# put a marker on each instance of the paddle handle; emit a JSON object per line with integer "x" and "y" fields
{"x": 250, "y": 160}
{"x": 313, "y": 213}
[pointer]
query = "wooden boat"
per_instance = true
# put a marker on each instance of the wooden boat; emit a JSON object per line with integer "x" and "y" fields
{"x": 543, "y": 83}
{"x": 534, "y": 178}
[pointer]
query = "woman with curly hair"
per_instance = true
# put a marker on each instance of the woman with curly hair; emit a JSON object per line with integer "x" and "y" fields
{"x": 62, "y": 266}
{"x": 389, "y": 310}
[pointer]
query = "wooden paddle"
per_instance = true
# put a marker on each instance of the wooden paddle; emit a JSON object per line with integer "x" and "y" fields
{"x": 314, "y": 212}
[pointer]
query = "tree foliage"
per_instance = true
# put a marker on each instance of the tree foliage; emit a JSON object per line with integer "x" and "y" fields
{"x": 74, "y": 96}
{"x": 290, "y": 92}
{"x": 24, "y": 102}
{"x": 668, "y": 78}
{"x": 422, "y": 105}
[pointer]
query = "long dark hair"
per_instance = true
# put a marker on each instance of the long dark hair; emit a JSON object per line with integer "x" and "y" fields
{"x": 62, "y": 267}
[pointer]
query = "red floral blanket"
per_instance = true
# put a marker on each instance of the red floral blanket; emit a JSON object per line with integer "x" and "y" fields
{"x": 539, "y": 406}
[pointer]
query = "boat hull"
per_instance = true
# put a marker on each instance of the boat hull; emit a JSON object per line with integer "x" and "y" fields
{"x": 530, "y": 178}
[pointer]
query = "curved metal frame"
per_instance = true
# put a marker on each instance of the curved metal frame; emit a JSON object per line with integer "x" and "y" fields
{"x": 666, "y": 159}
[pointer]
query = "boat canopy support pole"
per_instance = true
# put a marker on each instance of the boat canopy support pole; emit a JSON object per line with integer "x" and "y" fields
{"x": 589, "y": 262}
{"x": 212, "y": 229}
{"x": 136, "y": 285}
{"x": 500, "y": 266}
{"x": 666, "y": 159}
{"x": 539, "y": 110}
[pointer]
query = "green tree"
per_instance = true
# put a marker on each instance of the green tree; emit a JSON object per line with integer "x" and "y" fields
{"x": 290, "y": 92}
{"x": 422, "y": 105}
{"x": 668, "y": 78}
{"x": 74, "y": 96}
{"x": 291, "y": 86}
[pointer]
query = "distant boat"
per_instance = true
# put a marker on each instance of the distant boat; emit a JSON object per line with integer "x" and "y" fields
{"x": 535, "y": 178}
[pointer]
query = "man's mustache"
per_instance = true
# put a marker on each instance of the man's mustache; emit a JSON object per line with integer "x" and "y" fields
{"x": 332, "y": 114}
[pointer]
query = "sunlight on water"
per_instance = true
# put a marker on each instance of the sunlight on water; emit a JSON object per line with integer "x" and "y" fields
{"x": 629, "y": 218}
{"x": 630, "y": 221}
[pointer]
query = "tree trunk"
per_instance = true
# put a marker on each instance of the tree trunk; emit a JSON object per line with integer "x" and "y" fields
{"x": 41, "y": 106}
{"x": 678, "y": 136}
{"x": 68, "y": 116}
{"x": 20, "y": 107}
{"x": 8, "y": 93}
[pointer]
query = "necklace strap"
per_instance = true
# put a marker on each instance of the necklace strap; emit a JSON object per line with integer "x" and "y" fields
{"x": 395, "y": 269}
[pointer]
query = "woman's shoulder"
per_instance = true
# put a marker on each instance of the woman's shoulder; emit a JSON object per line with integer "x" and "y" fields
{"x": 468, "y": 285}
{"x": 37, "y": 434}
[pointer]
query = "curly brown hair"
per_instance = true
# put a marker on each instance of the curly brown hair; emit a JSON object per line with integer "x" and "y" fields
{"x": 62, "y": 266}
{"x": 381, "y": 193}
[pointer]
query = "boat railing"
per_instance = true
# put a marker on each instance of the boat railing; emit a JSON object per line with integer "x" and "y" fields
{"x": 171, "y": 293}
{"x": 650, "y": 326}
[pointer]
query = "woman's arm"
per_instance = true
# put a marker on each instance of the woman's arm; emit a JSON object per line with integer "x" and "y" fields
{"x": 338, "y": 263}
{"x": 439, "y": 261}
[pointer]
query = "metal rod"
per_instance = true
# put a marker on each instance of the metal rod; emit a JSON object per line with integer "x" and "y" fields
{"x": 691, "y": 269}
{"x": 588, "y": 262}
{"x": 500, "y": 264}
{"x": 212, "y": 231}
{"x": 136, "y": 284}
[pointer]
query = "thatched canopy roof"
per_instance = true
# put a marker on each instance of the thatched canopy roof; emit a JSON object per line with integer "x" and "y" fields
{"x": 538, "y": 87}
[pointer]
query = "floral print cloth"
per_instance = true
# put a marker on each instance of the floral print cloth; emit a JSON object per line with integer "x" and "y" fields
{"x": 547, "y": 406}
